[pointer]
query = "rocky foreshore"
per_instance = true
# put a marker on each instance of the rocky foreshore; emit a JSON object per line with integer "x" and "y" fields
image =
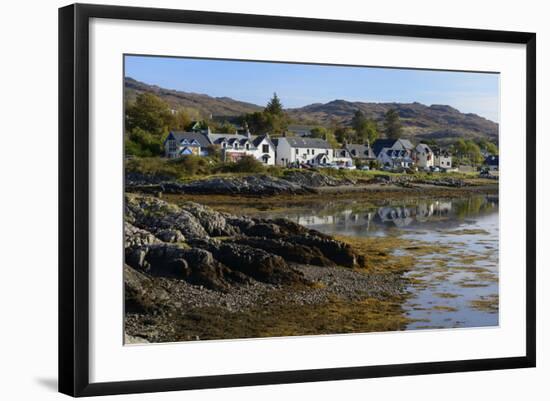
{"x": 192, "y": 258}
{"x": 297, "y": 182}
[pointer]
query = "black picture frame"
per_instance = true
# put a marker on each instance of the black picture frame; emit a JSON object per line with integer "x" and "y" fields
{"x": 74, "y": 198}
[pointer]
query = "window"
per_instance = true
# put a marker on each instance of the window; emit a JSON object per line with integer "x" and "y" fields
{"x": 353, "y": 152}
{"x": 312, "y": 151}
{"x": 308, "y": 151}
{"x": 265, "y": 148}
{"x": 172, "y": 146}
{"x": 247, "y": 146}
{"x": 297, "y": 151}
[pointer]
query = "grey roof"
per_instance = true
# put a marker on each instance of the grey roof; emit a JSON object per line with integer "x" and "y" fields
{"x": 297, "y": 142}
{"x": 491, "y": 161}
{"x": 406, "y": 144}
{"x": 362, "y": 151}
{"x": 422, "y": 147}
{"x": 197, "y": 136}
{"x": 258, "y": 139}
{"x": 380, "y": 144}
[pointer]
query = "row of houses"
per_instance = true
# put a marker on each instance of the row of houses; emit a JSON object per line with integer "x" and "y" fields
{"x": 301, "y": 150}
{"x": 283, "y": 151}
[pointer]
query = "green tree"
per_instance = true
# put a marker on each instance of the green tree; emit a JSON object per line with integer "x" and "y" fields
{"x": 344, "y": 134}
{"x": 392, "y": 124}
{"x": 225, "y": 128}
{"x": 358, "y": 121}
{"x": 491, "y": 148}
{"x": 149, "y": 113}
{"x": 327, "y": 134}
{"x": 473, "y": 152}
{"x": 366, "y": 129}
{"x": 271, "y": 120}
{"x": 143, "y": 144}
{"x": 274, "y": 106}
{"x": 180, "y": 121}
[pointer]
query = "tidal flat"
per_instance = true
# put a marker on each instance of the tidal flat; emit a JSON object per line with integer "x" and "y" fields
{"x": 424, "y": 263}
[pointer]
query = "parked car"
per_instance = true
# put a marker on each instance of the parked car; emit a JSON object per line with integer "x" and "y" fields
{"x": 350, "y": 167}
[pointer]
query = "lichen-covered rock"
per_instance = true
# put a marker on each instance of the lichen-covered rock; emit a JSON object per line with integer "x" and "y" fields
{"x": 247, "y": 185}
{"x": 157, "y": 216}
{"x": 134, "y": 236}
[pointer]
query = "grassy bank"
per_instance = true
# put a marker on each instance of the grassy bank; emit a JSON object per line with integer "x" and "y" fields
{"x": 194, "y": 168}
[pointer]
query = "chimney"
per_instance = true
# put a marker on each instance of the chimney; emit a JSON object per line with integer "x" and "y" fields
{"x": 246, "y": 130}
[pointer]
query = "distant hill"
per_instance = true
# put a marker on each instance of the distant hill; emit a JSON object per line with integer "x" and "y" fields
{"x": 438, "y": 122}
{"x": 206, "y": 105}
{"x": 441, "y": 123}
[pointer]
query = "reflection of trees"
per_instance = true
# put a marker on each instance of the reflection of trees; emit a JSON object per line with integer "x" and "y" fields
{"x": 474, "y": 205}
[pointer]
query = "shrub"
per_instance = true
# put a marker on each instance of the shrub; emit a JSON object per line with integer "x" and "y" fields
{"x": 246, "y": 164}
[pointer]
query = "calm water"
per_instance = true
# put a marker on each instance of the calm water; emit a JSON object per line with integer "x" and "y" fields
{"x": 456, "y": 286}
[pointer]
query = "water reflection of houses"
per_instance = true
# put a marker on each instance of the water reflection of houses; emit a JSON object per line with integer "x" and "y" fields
{"x": 346, "y": 219}
{"x": 351, "y": 219}
{"x": 403, "y": 216}
{"x": 354, "y": 217}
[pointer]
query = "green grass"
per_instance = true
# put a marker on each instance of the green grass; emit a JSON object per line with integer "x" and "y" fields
{"x": 205, "y": 167}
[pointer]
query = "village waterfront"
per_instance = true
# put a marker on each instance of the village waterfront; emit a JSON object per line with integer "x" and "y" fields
{"x": 362, "y": 199}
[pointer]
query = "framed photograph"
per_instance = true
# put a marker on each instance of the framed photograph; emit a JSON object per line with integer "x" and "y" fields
{"x": 250, "y": 199}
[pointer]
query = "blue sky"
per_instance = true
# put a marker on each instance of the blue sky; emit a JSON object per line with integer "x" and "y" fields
{"x": 299, "y": 84}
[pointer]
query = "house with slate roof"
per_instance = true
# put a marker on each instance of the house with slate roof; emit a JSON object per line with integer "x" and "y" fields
{"x": 314, "y": 152}
{"x": 179, "y": 143}
{"x": 361, "y": 151}
{"x": 424, "y": 156}
{"x": 491, "y": 162}
{"x": 298, "y": 150}
{"x": 443, "y": 159}
{"x": 232, "y": 146}
{"x": 394, "y": 153}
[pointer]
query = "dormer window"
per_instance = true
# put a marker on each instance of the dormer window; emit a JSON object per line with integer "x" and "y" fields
{"x": 247, "y": 146}
{"x": 224, "y": 145}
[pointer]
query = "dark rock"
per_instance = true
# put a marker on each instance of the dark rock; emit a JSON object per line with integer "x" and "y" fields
{"x": 196, "y": 266}
{"x": 287, "y": 250}
{"x": 140, "y": 293}
{"x": 256, "y": 263}
{"x": 340, "y": 253}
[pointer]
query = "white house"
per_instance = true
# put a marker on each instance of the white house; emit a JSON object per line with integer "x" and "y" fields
{"x": 424, "y": 156}
{"x": 342, "y": 158}
{"x": 443, "y": 159}
{"x": 297, "y": 150}
{"x": 233, "y": 146}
